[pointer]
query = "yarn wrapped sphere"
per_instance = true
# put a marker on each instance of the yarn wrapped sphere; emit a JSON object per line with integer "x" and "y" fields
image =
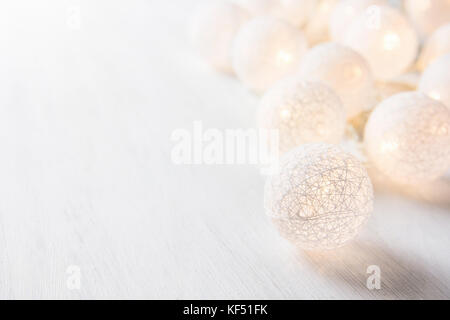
{"x": 344, "y": 13}
{"x": 435, "y": 81}
{"x": 345, "y": 71}
{"x": 428, "y": 15}
{"x": 407, "y": 138}
{"x": 296, "y": 12}
{"x": 435, "y": 47}
{"x": 213, "y": 29}
{"x": 302, "y": 112}
{"x": 265, "y": 50}
{"x": 386, "y": 39}
{"x": 320, "y": 198}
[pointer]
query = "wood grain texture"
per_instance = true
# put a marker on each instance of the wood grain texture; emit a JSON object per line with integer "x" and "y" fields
{"x": 86, "y": 176}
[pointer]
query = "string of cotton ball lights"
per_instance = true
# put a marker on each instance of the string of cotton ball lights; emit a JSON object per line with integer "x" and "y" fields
{"x": 314, "y": 92}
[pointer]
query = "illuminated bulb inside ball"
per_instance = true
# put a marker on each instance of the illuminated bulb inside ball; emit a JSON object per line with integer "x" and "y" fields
{"x": 407, "y": 138}
{"x": 428, "y": 15}
{"x": 345, "y": 71}
{"x": 435, "y": 81}
{"x": 436, "y": 46}
{"x": 320, "y": 197}
{"x": 302, "y": 112}
{"x": 345, "y": 12}
{"x": 266, "y": 50}
{"x": 386, "y": 40}
{"x": 214, "y": 27}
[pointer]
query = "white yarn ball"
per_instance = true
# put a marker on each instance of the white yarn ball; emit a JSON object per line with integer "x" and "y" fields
{"x": 435, "y": 81}
{"x": 302, "y": 112}
{"x": 428, "y": 15}
{"x": 436, "y": 46}
{"x": 407, "y": 138}
{"x": 386, "y": 39}
{"x": 266, "y": 50}
{"x": 296, "y": 12}
{"x": 345, "y": 71}
{"x": 345, "y": 12}
{"x": 320, "y": 198}
{"x": 214, "y": 27}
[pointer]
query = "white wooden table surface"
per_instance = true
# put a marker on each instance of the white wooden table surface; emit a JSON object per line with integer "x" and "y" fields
{"x": 86, "y": 177}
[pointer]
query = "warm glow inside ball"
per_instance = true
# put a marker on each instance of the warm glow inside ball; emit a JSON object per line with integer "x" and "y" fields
{"x": 296, "y": 12}
{"x": 386, "y": 39}
{"x": 344, "y": 13}
{"x": 435, "y": 47}
{"x": 266, "y": 50}
{"x": 214, "y": 27}
{"x": 407, "y": 138}
{"x": 345, "y": 71}
{"x": 302, "y": 112}
{"x": 320, "y": 198}
{"x": 435, "y": 81}
{"x": 317, "y": 30}
{"x": 428, "y": 15}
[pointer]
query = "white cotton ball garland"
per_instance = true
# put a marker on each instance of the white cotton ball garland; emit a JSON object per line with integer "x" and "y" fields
{"x": 344, "y": 13}
{"x": 302, "y": 112}
{"x": 213, "y": 29}
{"x": 435, "y": 81}
{"x": 407, "y": 138}
{"x": 320, "y": 198}
{"x": 266, "y": 50}
{"x": 386, "y": 39}
{"x": 345, "y": 71}
{"x": 435, "y": 47}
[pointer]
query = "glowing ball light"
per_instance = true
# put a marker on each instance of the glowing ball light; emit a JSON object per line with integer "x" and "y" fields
{"x": 302, "y": 112}
{"x": 344, "y": 13}
{"x": 214, "y": 27}
{"x": 436, "y": 46}
{"x": 345, "y": 71}
{"x": 296, "y": 12}
{"x": 266, "y": 50}
{"x": 435, "y": 81}
{"x": 386, "y": 39}
{"x": 428, "y": 15}
{"x": 407, "y": 138}
{"x": 316, "y": 29}
{"x": 320, "y": 198}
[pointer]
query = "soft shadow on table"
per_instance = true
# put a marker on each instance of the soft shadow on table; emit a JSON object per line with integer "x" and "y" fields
{"x": 347, "y": 268}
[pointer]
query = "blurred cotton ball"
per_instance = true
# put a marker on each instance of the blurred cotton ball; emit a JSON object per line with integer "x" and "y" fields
{"x": 296, "y": 12}
{"x": 386, "y": 39}
{"x": 345, "y": 71}
{"x": 266, "y": 50}
{"x": 317, "y": 29}
{"x": 407, "y": 138}
{"x": 345, "y": 12}
{"x": 320, "y": 198}
{"x": 428, "y": 15}
{"x": 302, "y": 112}
{"x": 435, "y": 81}
{"x": 436, "y": 46}
{"x": 214, "y": 27}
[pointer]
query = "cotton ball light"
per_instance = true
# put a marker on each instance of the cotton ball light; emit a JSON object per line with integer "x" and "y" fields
{"x": 317, "y": 30}
{"x": 435, "y": 81}
{"x": 386, "y": 39}
{"x": 345, "y": 71}
{"x": 428, "y": 15}
{"x": 436, "y": 46}
{"x": 344, "y": 13}
{"x": 296, "y": 12}
{"x": 214, "y": 27}
{"x": 320, "y": 197}
{"x": 407, "y": 138}
{"x": 265, "y": 50}
{"x": 302, "y": 112}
